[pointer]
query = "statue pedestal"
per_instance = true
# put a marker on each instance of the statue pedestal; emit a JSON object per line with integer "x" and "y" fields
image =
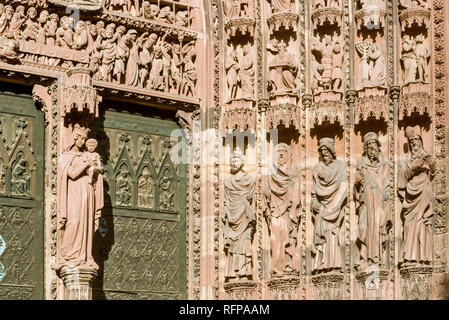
{"x": 372, "y": 285}
{"x": 241, "y": 290}
{"x": 285, "y": 288}
{"x": 78, "y": 282}
{"x": 416, "y": 282}
{"x": 328, "y": 286}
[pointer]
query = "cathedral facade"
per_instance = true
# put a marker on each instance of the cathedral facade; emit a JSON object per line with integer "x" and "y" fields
{"x": 224, "y": 149}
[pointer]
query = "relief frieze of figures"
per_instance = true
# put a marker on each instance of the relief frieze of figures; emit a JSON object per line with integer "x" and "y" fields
{"x": 150, "y": 183}
{"x": 329, "y": 197}
{"x": 112, "y": 51}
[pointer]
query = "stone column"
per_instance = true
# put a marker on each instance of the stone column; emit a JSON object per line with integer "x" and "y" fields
{"x": 78, "y": 282}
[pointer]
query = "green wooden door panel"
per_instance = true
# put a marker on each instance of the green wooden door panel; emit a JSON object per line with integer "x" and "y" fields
{"x": 21, "y": 195}
{"x": 141, "y": 246}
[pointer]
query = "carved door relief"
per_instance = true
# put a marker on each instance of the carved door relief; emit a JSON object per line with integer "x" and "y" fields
{"x": 21, "y": 196}
{"x": 141, "y": 245}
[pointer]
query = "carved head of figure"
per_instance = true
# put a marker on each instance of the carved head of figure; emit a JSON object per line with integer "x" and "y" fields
{"x": 54, "y": 18}
{"x": 91, "y": 144}
{"x": 414, "y": 138}
{"x": 77, "y": 139}
{"x": 9, "y": 11}
{"x": 43, "y": 16}
{"x": 131, "y": 34}
{"x": 32, "y": 13}
{"x": 237, "y": 161}
{"x": 326, "y": 150}
{"x": 153, "y": 12}
{"x": 81, "y": 25}
{"x": 109, "y": 32}
{"x": 20, "y": 10}
{"x": 371, "y": 146}
{"x": 282, "y": 154}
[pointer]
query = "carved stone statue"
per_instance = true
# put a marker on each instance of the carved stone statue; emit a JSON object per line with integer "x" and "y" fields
{"x": 247, "y": 72}
{"x": 331, "y": 53}
{"x": 80, "y": 203}
{"x": 416, "y": 171}
{"x": 281, "y": 209}
{"x": 232, "y": 71}
{"x": 9, "y": 46}
{"x": 329, "y": 196}
{"x": 239, "y": 220}
{"x": 422, "y": 53}
{"x": 372, "y": 67}
{"x": 372, "y": 195}
{"x": 408, "y": 59}
{"x": 145, "y": 190}
{"x": 282, "y": 69}
{"x": 123, "y": 188}
{"x": 20, "y": 177}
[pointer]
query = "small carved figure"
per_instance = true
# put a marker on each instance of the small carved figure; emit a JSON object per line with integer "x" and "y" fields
{"x": 122, "y": 52}
{"x": 167, "y": 188}
{"x": 17, "y": 20}
{"x": 331, "y": 53}
{"x": 281, "y": 209}
{"x": 51, "y": 28}
{"x": 416, "y": 172}
{"x": 132, "y": 67}
{"x": 372, "y": 67}
{"x": 146, "y": 190}
{"x": 146, "y": 56}
{"x": 232, "y": 71}
{"x": 166, "y": 15}
{"x": 64, "y": 34}
{"x": 5, "y": 18}
{"x": 123, "y": 193}
{"x": 283, "y": 69}
{"x": 150, "y": 11}
{"x": 95, "y": 160}
{"x": 422, "y": 53}
{"x": 31, "y": 25}
{"x": 80, "y": 36}
{"x": 108, "y": 50}
{"x": 20, "y": 177}
{"x": 190, "y": 74}
{"x": 246, "y": 72}
{"x": 41, "y": 36}
{"x": 329, "y": 196}
{"x": 239, "y": 220}
{"x": 409, "y": 59}
{"x": 372, "y": 195}
{"x": 9, "y": 46}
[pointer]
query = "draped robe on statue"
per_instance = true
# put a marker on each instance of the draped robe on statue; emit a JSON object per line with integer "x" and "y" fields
{"x": 239, "y": 218}
{"x": 372, "y": 207}
{"x": 329, "y": 195}
{"x": 281, "y": 5}
{"x": 417, "y": 210}
{"x": 80, "y": 204}
{"x": 282, "y": 204}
